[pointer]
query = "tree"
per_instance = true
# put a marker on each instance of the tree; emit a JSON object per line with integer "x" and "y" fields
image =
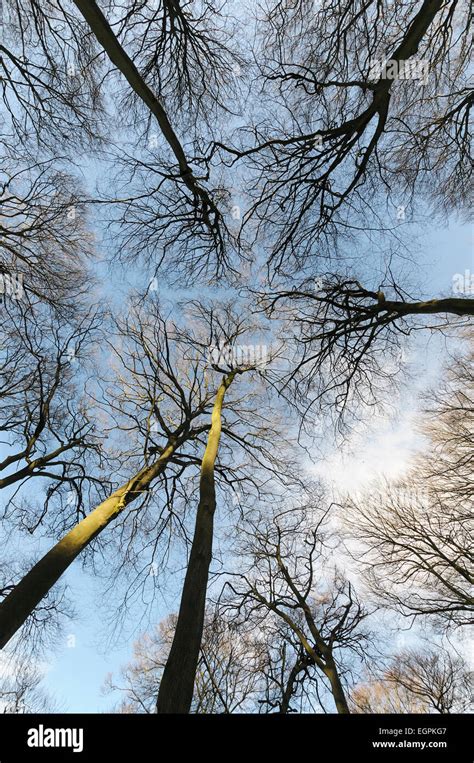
{"x": 377, "y": 110}
{"x": 161, "y": 394}
{"x": 27, "y": 594}
{"x": 45, "y": 240}
{"x": 177, "y": 683}
{"x": 240, "y": 669}
{"x": 357, "y": 126}
{"x": 377, "y": 696}
{"x": 20, "y": 688}
{"x": 416, "y": 532}
{"x": 44, "y": 420}
{"x": 417, "y": 681}
{"x": 184, "y": 55}
{"x": 176, "y": 686}
{"x": 355, "y": 121}
{"x": 195, "y": 212}
{"x": 325, "y": 618}
{"x": 346, "y": 336}
{"x": 50, "y": 78}
{"x": 105, "y": 36}
{"x": 226, "y": 678}
{"x": 61, "y": 99}
{"x": 42, "y": 629}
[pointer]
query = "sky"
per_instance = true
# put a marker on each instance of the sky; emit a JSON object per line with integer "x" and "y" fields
{"x": 76, "y": 673}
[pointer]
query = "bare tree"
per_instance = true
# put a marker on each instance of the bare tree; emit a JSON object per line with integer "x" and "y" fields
{"x": 177, "y": 683}
{"x": 355, "y": 125}
{"x": 162, "y": 396}
{"x": 343, "y": 123}
{"x": 45, "y": 425}
{"x": 176, "y": 686}
{"x": 417, "y": 681}
{"x": 42, "y": 630}
{"x": 288, "y": 678}
{"x": 254, "y": 457}
{"x": 20, "y": 687}
{"x": 139, "y": 679}
{"x": 187, "y": 207}
{"x": 188, "y": 57}
{"x": 376, "y": 696}
{"x": 357, "y": 110}
{"x": 349, "y": 339}
{"x": 50, "y": 77}
{"x": 416, "y": 532}
{"x": 287, "y": 580}
{"x": 27, "y": 594}
{"x": 45, "y": 239}
{"x": 178, "y": 64}
{"x": 226, "y": 676}
{"x": 240, "y": 669}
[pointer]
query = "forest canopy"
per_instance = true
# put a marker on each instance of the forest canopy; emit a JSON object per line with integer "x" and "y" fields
{"x": 223, "y": 270}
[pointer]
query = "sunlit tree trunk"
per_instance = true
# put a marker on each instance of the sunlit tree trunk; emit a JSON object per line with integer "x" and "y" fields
{"x": 177, "y": 684}
{"x": 22, "y": 600}
{"x": 337, "y": 690}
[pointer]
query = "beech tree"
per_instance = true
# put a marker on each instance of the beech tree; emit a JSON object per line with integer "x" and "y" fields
{"x": 20, "y": 688}
{"x": 241, "y": 668}
{"x": 160, "y": 393}
{"x": 50, "y": 78}
{"x": 417, "y": 681}
{"x": 288, "y": 580}
{"x": 358, "y": 127}
{"x": 177, "y": 683}
{"x": 346, "y": 340}
{"x": 28, "y": 593}
{"x": 227, "y": 677}
{"x": 45, "y": 425}
{"x": 372, "y": 119}
{"x": 174, "y": 202}
{"x": 416, "y": 532}
{"x": 45, "y": 240}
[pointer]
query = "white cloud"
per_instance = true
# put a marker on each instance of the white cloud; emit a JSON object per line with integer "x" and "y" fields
{"x": 387, "y": 452}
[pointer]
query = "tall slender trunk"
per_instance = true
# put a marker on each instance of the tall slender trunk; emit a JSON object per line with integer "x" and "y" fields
{"x": 337, "y": 690}
{"x": 16, "y": 607}
{"x": 177, "y": 684}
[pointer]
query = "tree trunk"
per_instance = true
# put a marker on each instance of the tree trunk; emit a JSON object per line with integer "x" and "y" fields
{"x": 290, "y": 686}
{"x": 22, "y": 600}
{"x": 177, "y": 684}
{"x": 336, "y": 687}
